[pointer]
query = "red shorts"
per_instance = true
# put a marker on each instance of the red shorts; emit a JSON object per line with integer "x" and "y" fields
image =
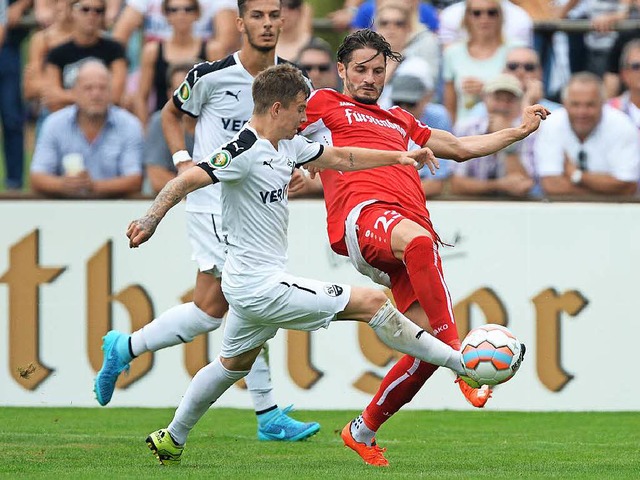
{"x": 375, "y": 224}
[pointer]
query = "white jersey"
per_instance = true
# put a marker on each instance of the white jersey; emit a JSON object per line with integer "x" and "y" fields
{"x": 255, "y": 212}
{"x": 219, "y": 94}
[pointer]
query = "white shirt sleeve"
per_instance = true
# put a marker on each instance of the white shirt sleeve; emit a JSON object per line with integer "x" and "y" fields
{"x": 194, "y": 92}
{"x": 306, "y": 150}
{"x": 226, "y": 167}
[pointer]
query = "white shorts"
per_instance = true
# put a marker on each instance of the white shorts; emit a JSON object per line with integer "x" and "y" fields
{"x": 289, "y": 302}
{"x": 207, "y": 242}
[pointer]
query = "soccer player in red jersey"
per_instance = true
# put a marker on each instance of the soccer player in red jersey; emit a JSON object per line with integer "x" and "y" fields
{"x": 379, "y": 217}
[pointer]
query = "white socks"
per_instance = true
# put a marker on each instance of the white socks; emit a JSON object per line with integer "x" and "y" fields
{"x": 401, "y": 334}
{"x": 205, "y": 388}
{"x": 360, "y": 432}
{"x": 259, "y": 382}
{"x": 179, "y": 324}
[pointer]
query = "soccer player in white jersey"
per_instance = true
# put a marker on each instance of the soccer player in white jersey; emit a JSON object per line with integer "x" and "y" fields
{"x": 255, "y": 168}
{"x": 219, "y": 95}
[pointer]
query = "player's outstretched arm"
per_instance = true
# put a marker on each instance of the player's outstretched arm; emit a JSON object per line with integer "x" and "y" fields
{"x": 348, "y": 159}
{"x": 461, "y": 149}
{"x": 141, "y": 230}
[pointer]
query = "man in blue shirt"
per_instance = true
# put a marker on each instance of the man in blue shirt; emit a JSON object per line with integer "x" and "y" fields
{"x": 91, "y": 148}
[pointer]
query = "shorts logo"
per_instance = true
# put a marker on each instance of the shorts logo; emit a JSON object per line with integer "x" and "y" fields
{"x": 220, "y": 159}
{"x": 333, "y": 290}
{"x": 184, "y": 92}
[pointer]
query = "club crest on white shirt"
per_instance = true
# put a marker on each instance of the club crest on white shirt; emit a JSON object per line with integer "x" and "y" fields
{"x": 220, "y": 159}
{"x": 333, "y": 290}
{"x": 184, "y": 92}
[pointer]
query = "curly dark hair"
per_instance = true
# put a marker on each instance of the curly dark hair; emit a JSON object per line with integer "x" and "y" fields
{"x": 365, "y": 38}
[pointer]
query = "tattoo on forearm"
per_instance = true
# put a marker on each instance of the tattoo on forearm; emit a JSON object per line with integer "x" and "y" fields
{"x": 351, "y": 160}
{"x": 170, "y": 195}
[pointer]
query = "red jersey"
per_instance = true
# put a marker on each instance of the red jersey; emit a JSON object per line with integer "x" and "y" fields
{"x": 338, "y": 120}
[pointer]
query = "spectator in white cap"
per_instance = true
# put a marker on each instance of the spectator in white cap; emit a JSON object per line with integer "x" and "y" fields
{"x": 501, "y": 173}
{"x": 411, "y": 88}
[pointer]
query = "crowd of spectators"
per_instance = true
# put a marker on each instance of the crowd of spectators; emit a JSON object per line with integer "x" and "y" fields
{"x": 97, "y": 72}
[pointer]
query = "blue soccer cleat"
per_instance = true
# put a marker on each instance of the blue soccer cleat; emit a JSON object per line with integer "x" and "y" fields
{"x": 280, "y": 427}
{"x": 112, "y": 365}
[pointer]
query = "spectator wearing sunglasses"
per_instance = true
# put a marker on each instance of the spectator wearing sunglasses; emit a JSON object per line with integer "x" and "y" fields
{"x": 423, "y": 15}
{"x": 87, "y": 42}
{"x": 524, "y": 64}
{"x": 612, "y": 80}
{"x": 588, "y": 147}
{"x": 629, "y": 101}
{"x": 393, "y": 20}
{"x": 217, "y": 20}
{"x": 517, "y": 26}
{"x": 316, "y": 59}
{"x": 151, "y": 94}
{"x": 501, "y": 173}
{"x": 468, "y": 64}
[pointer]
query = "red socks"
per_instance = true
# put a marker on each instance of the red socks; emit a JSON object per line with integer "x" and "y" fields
{"x": 424, "y": 267}
{"x": 407, "y": 376}
{"x": 398, "y": 387}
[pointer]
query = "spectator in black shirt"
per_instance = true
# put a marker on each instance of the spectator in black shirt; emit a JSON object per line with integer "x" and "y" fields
{"x": 87, "y": 42}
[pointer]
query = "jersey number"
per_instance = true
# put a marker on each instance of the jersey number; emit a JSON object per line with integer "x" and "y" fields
{"x": 386, "y": 220}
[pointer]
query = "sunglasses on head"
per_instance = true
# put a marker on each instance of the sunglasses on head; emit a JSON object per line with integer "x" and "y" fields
{"x": 321, "y": 67}
{"x": 188, "y": 9}
{"x": 527, "y": 66}
{"x": 87, "y": 9}
{"x": 490, "y": 12}
{"x": 635, "y": 66}
{"x": 395, "y": 23}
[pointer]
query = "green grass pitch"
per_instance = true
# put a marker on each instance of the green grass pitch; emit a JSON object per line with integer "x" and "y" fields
{"x": 109, "y": 443}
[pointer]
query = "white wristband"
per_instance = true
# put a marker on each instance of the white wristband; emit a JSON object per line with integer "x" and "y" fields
{"x": 181, "y": 156}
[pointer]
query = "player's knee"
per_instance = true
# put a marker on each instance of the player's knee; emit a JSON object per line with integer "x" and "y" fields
{"x": 413, "y": 235}
{"x": 214, "y": 307}
{"x": 375, "y": 300}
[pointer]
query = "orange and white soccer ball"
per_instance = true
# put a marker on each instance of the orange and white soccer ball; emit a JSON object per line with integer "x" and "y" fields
{"x": 491, "y": 354}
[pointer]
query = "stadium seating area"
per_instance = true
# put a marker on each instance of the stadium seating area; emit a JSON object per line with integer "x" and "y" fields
{"x": 456, "y": 54}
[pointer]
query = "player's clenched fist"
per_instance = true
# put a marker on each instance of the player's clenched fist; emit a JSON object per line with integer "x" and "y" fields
{"x": 532, "y": 116}
{"x": 141, "y": 230}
